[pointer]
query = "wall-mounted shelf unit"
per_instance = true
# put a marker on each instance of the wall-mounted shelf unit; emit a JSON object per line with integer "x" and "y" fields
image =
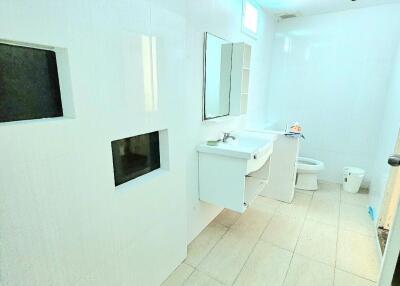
{"x": 240, "y": 78}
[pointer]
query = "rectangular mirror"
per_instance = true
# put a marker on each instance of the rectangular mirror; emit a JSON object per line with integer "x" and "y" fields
{"x": 217, "y": 76}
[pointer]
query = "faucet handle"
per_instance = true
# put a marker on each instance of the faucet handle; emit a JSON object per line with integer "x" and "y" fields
{"x": 227, "y": 135}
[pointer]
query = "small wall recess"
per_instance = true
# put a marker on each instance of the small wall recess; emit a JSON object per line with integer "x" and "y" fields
{"x": 29, "y": 83}
{"x": 135, "y": 156}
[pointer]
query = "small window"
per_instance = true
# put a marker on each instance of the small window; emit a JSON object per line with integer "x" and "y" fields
{"x": 29, "y": 84}
{"x": 135, "y": 156}
{"x": 250, "y": 18}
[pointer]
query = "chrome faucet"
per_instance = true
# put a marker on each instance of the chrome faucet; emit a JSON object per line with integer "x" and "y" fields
{"x": 227, "y": 135}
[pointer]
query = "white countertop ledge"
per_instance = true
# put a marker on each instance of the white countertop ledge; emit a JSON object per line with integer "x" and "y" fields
{"x": 247, "y": 145}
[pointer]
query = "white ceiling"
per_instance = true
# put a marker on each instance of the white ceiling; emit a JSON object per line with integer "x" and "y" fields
{"x": 311, "y": 7}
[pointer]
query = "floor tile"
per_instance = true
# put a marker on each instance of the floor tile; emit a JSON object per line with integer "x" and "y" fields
{"x": 327, "y": 192}
{"x": 266, "y": 266}
{"x": 307, "y": 272}
{"x": 179, "y": 275}
{"x": 360, "y": 199}
{"x": 283, "y": 231}
{"x": 253, "y": 222}
{"x": 227, "y": 217}
{"x": 201, "y": 279}
{"x": 318, "y": 241}
{"x": 357, "y": 254}
{"x": 227, "y": 258}
{"x": 310, "y": 193}
{"x": 204, "y": 242}
{"x": 355, "y": 218}
{"x": 347, "y": 279}
{"x": 298, "y": 208}
{"x": 329, "y": 186}
{"x": 266, "y": 204}
{"x": 324, "y": 211}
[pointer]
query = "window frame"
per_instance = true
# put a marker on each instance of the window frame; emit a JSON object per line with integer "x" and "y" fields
{"x": 121, "y": 178}
{"x": 245, "y": 29}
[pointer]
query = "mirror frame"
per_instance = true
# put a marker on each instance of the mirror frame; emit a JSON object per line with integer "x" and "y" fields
{"x": 204, "y": 117}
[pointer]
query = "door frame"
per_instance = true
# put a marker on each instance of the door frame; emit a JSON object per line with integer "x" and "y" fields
{"x": 390, "y": 219}
{"x": 391, "y": 196}
{"x": 391, "y": 253}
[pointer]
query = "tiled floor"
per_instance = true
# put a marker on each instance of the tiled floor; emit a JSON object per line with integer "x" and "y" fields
{"x": 323, "y": 238}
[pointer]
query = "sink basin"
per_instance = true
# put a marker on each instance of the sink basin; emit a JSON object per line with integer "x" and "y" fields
{"x": 247, "y": 145}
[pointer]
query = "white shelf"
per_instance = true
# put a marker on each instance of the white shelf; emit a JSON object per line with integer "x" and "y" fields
{"x": 240, "y": 77}
{"x": 254, "y": 187}
{"x": 246, "y": 55}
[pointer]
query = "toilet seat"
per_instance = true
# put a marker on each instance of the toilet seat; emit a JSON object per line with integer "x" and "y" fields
{"x": 307, "y": 173}
{"x": 308, "y": 165}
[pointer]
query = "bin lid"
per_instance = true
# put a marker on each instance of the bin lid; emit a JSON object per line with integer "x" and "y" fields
{"x": 354, "y": 170}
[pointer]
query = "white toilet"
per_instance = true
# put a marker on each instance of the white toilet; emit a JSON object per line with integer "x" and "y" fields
{"x": 307, "y": 173}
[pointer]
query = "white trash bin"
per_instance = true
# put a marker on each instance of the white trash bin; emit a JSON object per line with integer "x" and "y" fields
{"x": 352, "y": 179}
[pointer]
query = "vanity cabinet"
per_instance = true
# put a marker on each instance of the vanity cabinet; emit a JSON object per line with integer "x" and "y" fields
{"x": 240, "y": 76}
{"x": 232, "y": 177}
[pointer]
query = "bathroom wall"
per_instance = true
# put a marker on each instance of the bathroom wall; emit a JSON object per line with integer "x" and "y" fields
{"x": 62, "y": 220}
{"x": 135, "y": 67}
{"x": 389, "y": 130}
{"x": 331, "y": 73}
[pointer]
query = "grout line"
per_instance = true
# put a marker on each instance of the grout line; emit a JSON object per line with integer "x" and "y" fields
{"x": 255, "y": 245}
{"x": 337, "y": 233}
{"x": 190, "y": 275}
{"x": 316, "y": 260}
{"x": 338, "y": 227}
{"x": 357, "y": 275}
{"x": 354, "y": 206}
{"x": 204, "y": 273}
{"x": 212, "y": 248}
{"x": 169, "y": 276}
{"x": 297, "y": 241}
{"x": 276, "y": 245}
{"x": 195, "y": 268}
{"x": 228, "y": 228}
{"x": 298, "y": 238}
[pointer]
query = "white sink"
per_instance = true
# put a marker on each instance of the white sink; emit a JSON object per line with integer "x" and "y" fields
{"x": 247, "y": 145}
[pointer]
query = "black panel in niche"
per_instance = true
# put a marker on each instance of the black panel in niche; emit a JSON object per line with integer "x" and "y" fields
{"x": 29, "y": 84}
{"x": 135, "y": 156}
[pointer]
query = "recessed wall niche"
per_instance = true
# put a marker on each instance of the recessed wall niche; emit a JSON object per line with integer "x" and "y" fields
{"x": 34, "y": 82}
{"x": 135, "y": 156}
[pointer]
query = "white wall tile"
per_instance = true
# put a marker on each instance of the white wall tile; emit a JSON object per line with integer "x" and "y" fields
{"x": 333, "y": 78}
